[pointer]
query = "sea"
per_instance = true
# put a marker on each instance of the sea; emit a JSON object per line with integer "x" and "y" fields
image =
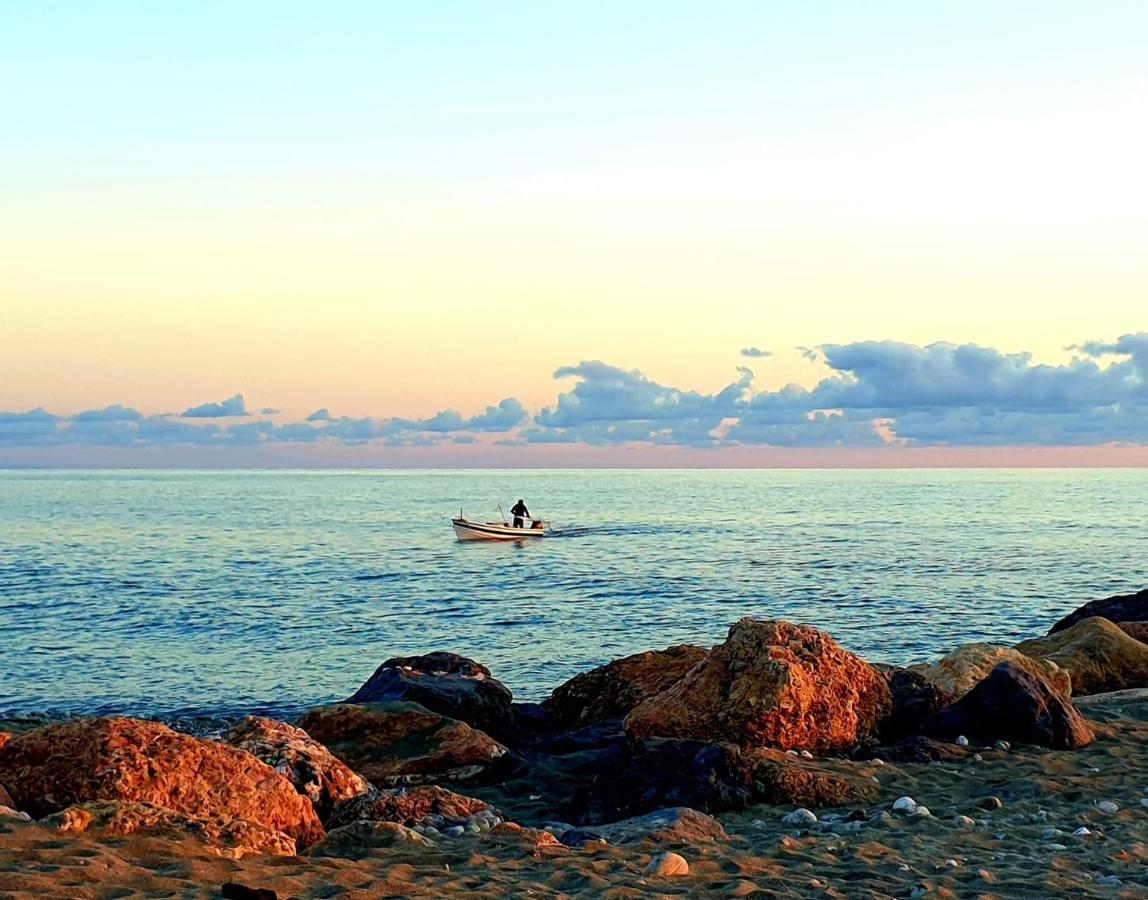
{"x": 218, "y": 593}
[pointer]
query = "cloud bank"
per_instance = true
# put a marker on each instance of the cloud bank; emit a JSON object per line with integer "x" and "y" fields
{"x": 875, "y": 394}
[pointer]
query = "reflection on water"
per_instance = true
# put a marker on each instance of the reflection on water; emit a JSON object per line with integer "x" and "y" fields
{"x": 218, "y": 592}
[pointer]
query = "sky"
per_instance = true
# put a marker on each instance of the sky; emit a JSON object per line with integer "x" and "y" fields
{"x": 519, "y": 233}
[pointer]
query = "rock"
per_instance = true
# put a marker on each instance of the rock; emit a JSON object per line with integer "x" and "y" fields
{"x": 390, "y": 743}
{"x": 1081, "y": 832}
{"x": 914, "y": 698}
{"x": 666, "y": 865}
{"x": 1002, "y": 745}
{"x": 990, "y": 803}
{"x": 961, "y": 741}
{"x": 960, "y": 671}
{"x": 7, "y": 812}
{"x": 964, "y": 822}
{"x": 1121, "y": 608}
{"x": 57, "y": 766}
{"x": 612, "y": 690}
{"x": 307, "y": 764}
{"x": 6, "y": 798}
{"x": 800, "y": 816}
{"x": 661, "y": 773}
{"x": 579, "y": 837}
{"x": 233, "y": 891}
{"x": 1137, "y": 630}
{"x": 426, "y": 804}
{"x": 906, "y": 805}
{"x": 771, "y": 684}
{"x": 921, "y": 812}
{"x": 917, "y": 749}
{"x": 1099, "y": 656}
{"x": 677, "y": 825}
{"x": 1013, "y": 704}
{"x": 118, "y": 818}
{"x": 358, "y": 840}
{"x": 5, "y": 737}
{"x": 785, "y": 781}
{"x": 444, "y": 683}
{"x": 1108, "y": 806}
{"x": 531, "y": 839}
{"x": 1109, "y": 881}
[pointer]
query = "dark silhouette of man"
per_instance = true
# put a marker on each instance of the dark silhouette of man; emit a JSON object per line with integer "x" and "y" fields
{"x": 518, "y": 511}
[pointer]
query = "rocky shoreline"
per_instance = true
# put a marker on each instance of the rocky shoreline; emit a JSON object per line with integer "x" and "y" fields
{"x": 775, "y": 763}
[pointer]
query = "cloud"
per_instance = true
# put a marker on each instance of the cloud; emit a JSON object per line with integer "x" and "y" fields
{"x": 232, "y": 406}
{"x": 269, "y": 411}
{"x": 876, "y": 393}
{"x": 754, "y": 353}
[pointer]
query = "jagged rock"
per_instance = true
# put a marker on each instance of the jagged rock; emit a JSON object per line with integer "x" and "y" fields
{"x": 357, "y": 840}
{"x": 612, "y": 690}
{"x": 1121, "y": 608}
{"x": 959, "y": 671}
{"x": 771, "y": 684}
{"x": 306, "y": 763}
{"x": 915, "y": 698}
{"x": 676, "y": 825}
{"x": 1099, "y": 656}
{"x": 426, "y": 804}
{"x": 444, "y": 683}
{"x": 233, "y": 839}
{"x": 785, "y": 780}
{"x": 57, "y": 766}
{"x": 391, "y": 743}
{"x": 1016, "y": 705}
{"x": 660, "y": 773}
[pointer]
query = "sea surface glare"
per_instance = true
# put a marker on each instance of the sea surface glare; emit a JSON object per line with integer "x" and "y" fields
{"x": 167, "y": 593}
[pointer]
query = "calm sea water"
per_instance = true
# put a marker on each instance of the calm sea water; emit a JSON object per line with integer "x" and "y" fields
{"x": 163, "y": 593}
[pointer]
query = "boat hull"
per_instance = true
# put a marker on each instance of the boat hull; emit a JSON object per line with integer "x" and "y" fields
{"x": 466, "y": 530}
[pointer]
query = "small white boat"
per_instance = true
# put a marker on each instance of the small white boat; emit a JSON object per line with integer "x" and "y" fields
{"x": 466, "y": 530}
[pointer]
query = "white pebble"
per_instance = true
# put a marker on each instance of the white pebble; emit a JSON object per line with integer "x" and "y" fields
{"x": 1108, "y": 806}
{"x": 1002, "y": 745}
{"x": 800, "y": 816}
{"x": 880, "y": 763}
{"x": 904, "y": 804}
{"x": 952, "y": 863}
{"x": 1144, "y": 801}
{"x": 805, "y": 754}
{"x": 1081, "y": 832}
{"x": 1056, "y": 846}
{"x": 791, "y": 753}
{"x": 921, "y": 812}
{"x": 962, "y": 741}
{"x": 758, "y": 824}
{"x": 964, "y": 822}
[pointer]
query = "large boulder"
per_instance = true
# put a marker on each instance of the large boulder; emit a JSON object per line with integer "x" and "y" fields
{"x": 1137, "y": 630}
{"x": 614, "y": 689}
{"x": 1100, "y": 656}
{"x": 660, "y": 773}
{"x": 1121, "y": 608}
{"x": 959, "y": 671}
{"x": 294, "y": 754}
{"x": 915, "y": 698}
{"x": 52, "y": 768}
{"x": 1013, "y": 704}
{"x": 422, "y": 805}
{"x": 771, "y": 684}
{"x": 119, "y": 818}
{"x": 402, "y": 742}
{"x": 444, "y": 683}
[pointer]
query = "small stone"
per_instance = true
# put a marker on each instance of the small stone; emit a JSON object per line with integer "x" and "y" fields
{"x": 880, "y": 763}
{"x": 791, "y": 753}
{"x": 921, "y": 812}
{"x": 454, "y": 831}
{"x": 1002, "y": 745}
{"x": 904, "y": 805}
{"x": 757, "y": 825}
{"x": 1049, "y": 833}
{"x": 952, "y": 863}
{"x": 787, "y": 842}
{"x": 990, "y": 803}
{"x": 815, "y": 884}
{"x": 1108, "y": 806}
{"x": 964, "y": 822}
{"x": 667, "y": 864}
{"x": 1056, "y": 846}
{"x": 882, "y": 818}
{"x": 1081, "y": 832}
{"x": 978, "y": 758}
{"x": 800, "y": 816}
{"x": 1144, "y": 801}
{"x": 1000, "y": 836}
{"x": 962, "y": 741}
{"x": 985, "y": 875}
{"x": 474, "y": 828}
{"x": 805, "y": 754}
{"x": 919, "y": 891}
{"x": 1109, "y": 881}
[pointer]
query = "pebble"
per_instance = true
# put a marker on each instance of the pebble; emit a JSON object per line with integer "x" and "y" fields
{"x": 1056, "y": 846}
{"x": 962, "y": 741}
{"x": 964, "y": 822}
{"x": 990, "y": 803}
{"x": 805, "y": 754}
{"x": 1002, "y": 745}
{"x": 791, "y": 753}
{"x": 985, "y": 875}
{"x": 904, "y": 804}
{"x": 882, "y": 818}
{"x": 1108, "y": 806}
{"x": 454, "y": 831}
{"x": 800, "y": 816}
{"x": 978, "y": 758}
{"x": 921, "y": 812}
{"x": 667, "y": 864}
{"x": 1049, "y": 833}
{"x": 758, "y": 824}
{"x": 474, "y": 828}
{"x": 1144, "y": 801}
{"x": 952, "y": 863}
{"x": 1081, "y": 832}
{"x": 919, "y": 891}
{"x": 1109, "y": 881}
{"x": 880, "y": 763}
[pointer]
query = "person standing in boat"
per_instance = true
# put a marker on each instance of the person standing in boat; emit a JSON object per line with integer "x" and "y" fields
{"x": 518, "y": 511}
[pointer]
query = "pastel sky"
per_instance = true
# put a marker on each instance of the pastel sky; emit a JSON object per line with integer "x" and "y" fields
{"x": 740, "y": 232}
